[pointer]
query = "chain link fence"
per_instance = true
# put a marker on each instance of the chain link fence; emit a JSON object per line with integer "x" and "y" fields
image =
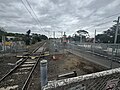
{"x": 105, "y": 80}
{"x": 109, "y": 51}
{"x": 17, "y": 46}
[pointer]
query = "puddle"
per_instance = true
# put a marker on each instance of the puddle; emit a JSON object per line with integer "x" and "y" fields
{"x": 9, "y": 87}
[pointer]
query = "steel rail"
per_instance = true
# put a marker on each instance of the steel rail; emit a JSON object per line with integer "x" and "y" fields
{"x": 6, "y": 75}
{"x": 32, "y": 71}
{"x": 12, "y": 70}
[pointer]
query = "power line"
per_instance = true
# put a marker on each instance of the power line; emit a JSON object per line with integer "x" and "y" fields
{"x": 28, "y": 10}
{"x": 99, "y": 24}
{"x": 37, "y": 21}
{"x": 111, "y": 16}
{"x": 33, "y": 11}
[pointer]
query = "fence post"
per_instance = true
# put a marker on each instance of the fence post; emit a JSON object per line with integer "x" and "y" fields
{"x": 43, "y": 71}
{"x": 112, "y": 57}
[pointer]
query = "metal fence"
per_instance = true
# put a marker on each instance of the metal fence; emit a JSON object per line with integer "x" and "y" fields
{"x": 17, "y": 46}
{"x": 105, "y": 80}
{"x": 109, "y": 51}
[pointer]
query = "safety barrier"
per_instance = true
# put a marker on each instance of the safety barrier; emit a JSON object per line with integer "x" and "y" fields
{"x": 105, "y": 80}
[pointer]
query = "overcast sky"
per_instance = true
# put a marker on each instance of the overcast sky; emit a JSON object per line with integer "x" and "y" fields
{"x": 58, "y": 15}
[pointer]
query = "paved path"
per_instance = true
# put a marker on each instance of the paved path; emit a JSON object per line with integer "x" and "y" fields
{"x": 96, "y": 59}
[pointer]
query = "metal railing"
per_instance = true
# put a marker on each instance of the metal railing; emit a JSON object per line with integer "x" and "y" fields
{"x": 105, "y": 80}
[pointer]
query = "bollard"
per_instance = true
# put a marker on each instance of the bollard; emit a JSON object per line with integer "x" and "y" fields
{"x": 43, "y": 68}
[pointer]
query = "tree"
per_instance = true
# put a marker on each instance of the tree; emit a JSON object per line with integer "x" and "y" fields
{"x": 108, "y": 36}
{"x": 82, "y": 34}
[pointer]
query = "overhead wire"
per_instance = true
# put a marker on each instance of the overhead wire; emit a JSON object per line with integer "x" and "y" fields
{"x": 35, "y": 19}
{"x": 34, "y": 13}
{"x": 99, "y": 24}
{"x": 28, "y": 10}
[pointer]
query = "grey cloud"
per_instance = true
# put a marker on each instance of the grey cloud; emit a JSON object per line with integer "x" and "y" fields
{"x": 68, "y": 15}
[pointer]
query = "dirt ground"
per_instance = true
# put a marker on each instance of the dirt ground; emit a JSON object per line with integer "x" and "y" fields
{"x": 57, "y": 64}
{"x": 6, "y": 63}
{"x": 65, "y": 63}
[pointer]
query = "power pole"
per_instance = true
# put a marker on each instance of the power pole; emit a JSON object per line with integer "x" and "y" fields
{"x": 95, "y": 37}
{"x": 3, "y": 42}
{"x": 115, "y": 40}
{"x": 61, "y": 34}
{"x": 54, "y": 34}
{"x": 80, "y": 37}
{"x": 116, "y": 32}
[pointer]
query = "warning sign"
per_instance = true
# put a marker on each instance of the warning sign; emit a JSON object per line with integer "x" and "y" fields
{"x": 111, "y": 84}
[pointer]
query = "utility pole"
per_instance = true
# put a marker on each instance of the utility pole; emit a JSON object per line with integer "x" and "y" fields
{"x": 48, "y": 33}
{"x": 115, "y": 40}
{"x": 95, "y": 37}
{"x": 3, "y": 40}
{"x": 93, "y": 46}
{"x": 80, "y": 35}
{"x": 61, "y": 34}
{"x": 116, "y": 32}
{"x": 54, "y": 34}
{"x": 81, "y": 38}
{"x": 3, "y": 43}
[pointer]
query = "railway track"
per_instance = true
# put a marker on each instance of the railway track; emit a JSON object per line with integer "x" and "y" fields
{"x": 18, "y": 78}
{"x": 100, "y": 53}
{"x": 114, "y": 58}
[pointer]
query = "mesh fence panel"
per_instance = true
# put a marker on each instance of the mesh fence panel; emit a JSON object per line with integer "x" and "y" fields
{"x": 105, "y": 80}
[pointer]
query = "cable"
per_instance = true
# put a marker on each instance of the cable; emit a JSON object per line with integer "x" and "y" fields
{"x": 99, "y": 24}
{"x": 32, "y": 14}
{"x": 110, "y": 16}
{"x": 28, "y": 10}
{"x": 104, "y": 22}
{"x": 33, "y": 11}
